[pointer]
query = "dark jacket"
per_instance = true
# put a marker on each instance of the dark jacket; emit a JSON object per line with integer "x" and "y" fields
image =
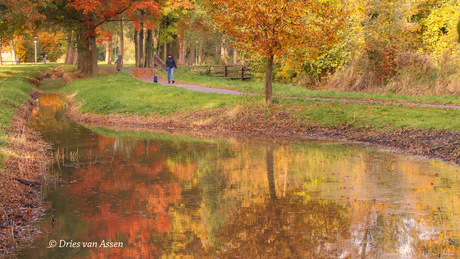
{"x": 170, "y": 63}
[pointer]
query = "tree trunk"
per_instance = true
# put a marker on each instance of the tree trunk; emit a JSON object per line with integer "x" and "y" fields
{"x": 141, "y": 47}
{"x": 218, "y": 46}
{"x": 149, "y": 49}
{"x": 71, "y": 57}
{"x": 235, "y": 56}
{"x": 108, "y": 52}
{"x": 183, "y": 50}
{"x": 182, "y": 46}
{"x": 165, "y": 51}
{"x": 122, "y": 39}
{"x": 155, "y": 42}
{"x": 1, "y": 45}
{"x": 174, "y": 48}
{"x": 80, "y": 61}
{"x": 136, "y": 48}
{"x": 268, "y": 80}
{"x": 13, "y": 52}
{"x": 191, "y": 58}
{"x": 224, "y": 50}
{"x": 80, "y": 57}
{"x": 200, "y": 56}
{"x": 270, "y": 173}
{"x": 93, "y": 56}
{"x": 89, "y": 60}
{"x": 458, "y": 31}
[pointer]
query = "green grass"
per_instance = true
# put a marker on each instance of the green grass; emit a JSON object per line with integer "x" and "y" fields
{"x": 184, "y": 74}
{"x": 14, "y": 90}
{"x": 374, "y": 116}
{"x": 125, "y": 65}
{"x": 125, "y": 95}
{"x": 119, "y": 93}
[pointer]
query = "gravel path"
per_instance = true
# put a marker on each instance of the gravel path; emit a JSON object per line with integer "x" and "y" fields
{"x": 195, "y": 87}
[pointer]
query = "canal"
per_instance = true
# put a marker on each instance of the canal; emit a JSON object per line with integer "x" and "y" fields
{"x": 130, "y": 194}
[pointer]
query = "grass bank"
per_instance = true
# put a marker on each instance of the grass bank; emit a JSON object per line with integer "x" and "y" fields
{"x": 122, "y": 102}
{"x": 23, "y": 156}
{"x": 15, "y": 90}
{"x": 121, "y": 94}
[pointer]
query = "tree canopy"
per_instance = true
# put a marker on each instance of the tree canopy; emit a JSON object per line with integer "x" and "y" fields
{"x": 297, "y": 29}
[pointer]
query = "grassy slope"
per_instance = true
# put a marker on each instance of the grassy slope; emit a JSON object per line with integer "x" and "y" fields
{"x": 122, "y": 94}
{"x": 125, "y": 95}
{"x": 14, "y": 90}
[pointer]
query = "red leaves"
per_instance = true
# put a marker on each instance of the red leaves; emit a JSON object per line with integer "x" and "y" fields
{"x": 97, "y": 12}
{"x": 104, "y": 35}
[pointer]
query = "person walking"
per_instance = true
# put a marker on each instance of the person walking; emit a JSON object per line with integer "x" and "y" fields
{"x": 170, "y": 65}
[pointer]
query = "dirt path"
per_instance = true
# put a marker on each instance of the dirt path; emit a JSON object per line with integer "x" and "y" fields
{"x": 227, "y": 91}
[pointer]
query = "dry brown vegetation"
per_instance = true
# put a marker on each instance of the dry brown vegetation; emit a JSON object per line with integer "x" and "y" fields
{"x": 25, "y": 170}
{"x": 414, "y": 74}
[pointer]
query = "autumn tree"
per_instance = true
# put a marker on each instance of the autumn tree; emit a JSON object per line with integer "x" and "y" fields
{"x": 16, "y": 16}
{"x": 299, "y": 28}
{"x": 85, "y": 17}
{"x": 171, "y": 28}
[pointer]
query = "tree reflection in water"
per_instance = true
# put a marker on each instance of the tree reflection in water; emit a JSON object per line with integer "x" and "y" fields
{"x": 166, "y": 196}
{"x": 284, "y": 227}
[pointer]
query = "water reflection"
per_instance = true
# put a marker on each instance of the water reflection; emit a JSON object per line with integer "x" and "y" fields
{"x": 166, "y": 196}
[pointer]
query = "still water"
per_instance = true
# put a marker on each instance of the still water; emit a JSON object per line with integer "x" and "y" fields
{"x": 160, "y": 195}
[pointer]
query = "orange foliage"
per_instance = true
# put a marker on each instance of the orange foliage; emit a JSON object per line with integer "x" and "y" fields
{"x": 22, "y": 8}
{"x": 272, "y": 27}
{"x": 180, "y": 4}
{"x": 137, "y": 216}
{"x": 103, "y": 35}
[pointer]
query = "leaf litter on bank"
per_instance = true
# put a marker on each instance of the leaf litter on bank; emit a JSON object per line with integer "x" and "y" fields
{"x": 433, "y": 143}
{"x": 26, "y": 161}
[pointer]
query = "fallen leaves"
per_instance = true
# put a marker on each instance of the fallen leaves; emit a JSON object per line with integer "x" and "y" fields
{"x": 143, "y": 72}
{"x": 27, "y": 160}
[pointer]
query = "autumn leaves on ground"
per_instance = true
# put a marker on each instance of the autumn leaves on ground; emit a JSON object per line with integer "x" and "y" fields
{"x": 24, "y": 157}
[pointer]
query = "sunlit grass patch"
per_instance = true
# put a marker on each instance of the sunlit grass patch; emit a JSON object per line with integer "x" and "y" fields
{"x": 375, "y": 116}
{"x": 120, "y": 93}
{"x": 14, "y": 90}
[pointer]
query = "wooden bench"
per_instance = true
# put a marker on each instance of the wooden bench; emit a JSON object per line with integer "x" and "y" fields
{"x": 231, "y": 72}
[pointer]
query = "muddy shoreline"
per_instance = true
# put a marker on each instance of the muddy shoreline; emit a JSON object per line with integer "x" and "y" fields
{"x": 436, "y": 144}
{"x": 26, "y": 170}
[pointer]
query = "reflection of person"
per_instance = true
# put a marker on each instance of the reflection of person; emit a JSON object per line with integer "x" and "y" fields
{"x": 170, "y": 65}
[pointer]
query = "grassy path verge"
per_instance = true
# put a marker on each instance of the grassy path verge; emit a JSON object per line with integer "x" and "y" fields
{"x": 289, "y": 90}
